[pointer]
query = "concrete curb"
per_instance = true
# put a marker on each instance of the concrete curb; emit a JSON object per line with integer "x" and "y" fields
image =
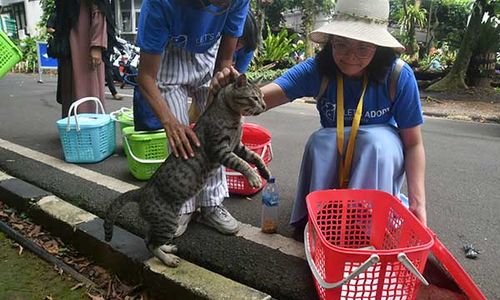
{"x": 126, "y": 255}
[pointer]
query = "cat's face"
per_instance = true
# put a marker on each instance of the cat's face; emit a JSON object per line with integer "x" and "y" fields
{"x": 245, "y": 97}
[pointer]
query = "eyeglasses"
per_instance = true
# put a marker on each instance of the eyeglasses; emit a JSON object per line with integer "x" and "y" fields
{"x": 362, "y": 52}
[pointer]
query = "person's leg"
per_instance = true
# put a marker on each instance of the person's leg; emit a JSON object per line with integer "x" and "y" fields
{"x": 317, "y": 172}
{"x": 110, "y": 82}
{"x": 65, "y": 88}
{"x": 172, "y": 80}
{"x": 210, "y": 199}
{"x": 215, "y": 190}
{"x": 378, "y": 163}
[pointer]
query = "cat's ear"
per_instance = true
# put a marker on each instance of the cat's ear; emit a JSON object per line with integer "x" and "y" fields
{"x": 241, "y": 81}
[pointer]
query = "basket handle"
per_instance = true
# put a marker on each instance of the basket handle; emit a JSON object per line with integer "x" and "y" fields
{"x": 74, "y": 107}
{"x": 411, "y": 267}
{"x": 270, "y": 151}
{"x": 122, "y": 111}
{"x": 373, "y": 259}
{"x": 261, "y": 156}
{"x": 144, "y": 161}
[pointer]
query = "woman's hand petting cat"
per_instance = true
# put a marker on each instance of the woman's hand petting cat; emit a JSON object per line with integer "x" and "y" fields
{"x": 222, "y": 78}
{"x": 179, "y": 137}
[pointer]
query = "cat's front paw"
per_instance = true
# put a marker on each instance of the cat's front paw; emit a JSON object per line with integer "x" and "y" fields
{"x": 265, "y": 172}
{"x": 254, "y": 180}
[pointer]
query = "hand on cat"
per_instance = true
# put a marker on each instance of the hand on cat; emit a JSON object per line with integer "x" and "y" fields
{"x": 222, "y": 78}
{"x": 178, "y": 134}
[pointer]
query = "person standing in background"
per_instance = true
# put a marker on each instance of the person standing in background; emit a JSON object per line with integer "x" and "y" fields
{"x": 182, "y": 44}
{"x": 81, "y": 73}
{"x": 108, "y": 71}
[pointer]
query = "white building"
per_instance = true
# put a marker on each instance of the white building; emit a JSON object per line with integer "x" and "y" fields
{"x": 293, "y": 19}
{"x": 25, "y": 14}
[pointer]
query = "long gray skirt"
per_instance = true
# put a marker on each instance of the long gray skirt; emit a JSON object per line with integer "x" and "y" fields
{"x": 378, "y": 163}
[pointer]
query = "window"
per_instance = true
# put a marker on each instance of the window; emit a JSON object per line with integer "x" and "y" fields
{"x": 128, "y": 15}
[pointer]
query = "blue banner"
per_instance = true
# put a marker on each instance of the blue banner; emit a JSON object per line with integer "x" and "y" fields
{"x": 44, "y": 61}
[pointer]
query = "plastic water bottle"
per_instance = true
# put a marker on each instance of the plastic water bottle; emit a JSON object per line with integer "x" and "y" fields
{"x": 270, "y": 202}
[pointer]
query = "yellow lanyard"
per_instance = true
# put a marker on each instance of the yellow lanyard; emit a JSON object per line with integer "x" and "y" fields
{"x": 345, "y": 162}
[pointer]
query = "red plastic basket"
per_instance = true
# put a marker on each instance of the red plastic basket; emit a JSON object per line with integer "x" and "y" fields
{"x": 455, "y": 270}
{"x": 258, "y": 139}
{"x": 364, "y": 244}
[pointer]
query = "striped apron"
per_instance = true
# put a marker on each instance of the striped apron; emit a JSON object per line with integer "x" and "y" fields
{"x": 184, "y": 74}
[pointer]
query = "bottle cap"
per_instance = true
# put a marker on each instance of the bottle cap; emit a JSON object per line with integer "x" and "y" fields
{"x": 271, "y": 179}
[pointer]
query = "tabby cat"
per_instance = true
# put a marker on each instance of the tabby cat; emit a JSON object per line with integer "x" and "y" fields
{"x": 177, "y": 180}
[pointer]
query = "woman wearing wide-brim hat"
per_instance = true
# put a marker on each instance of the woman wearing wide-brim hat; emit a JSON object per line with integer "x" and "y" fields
{"x": 355, "y": 67}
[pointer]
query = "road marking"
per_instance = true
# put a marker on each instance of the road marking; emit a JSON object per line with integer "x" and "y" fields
{"x": 275, "y": 241}
{"x": 126, "y": 95}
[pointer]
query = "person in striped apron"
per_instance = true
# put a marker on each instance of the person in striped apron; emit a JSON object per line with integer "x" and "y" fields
{"x": 182, "y": 43}
{"x": 369, "y": 109}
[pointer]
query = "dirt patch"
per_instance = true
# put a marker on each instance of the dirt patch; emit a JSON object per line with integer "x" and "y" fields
{"x": 474, "y": 104}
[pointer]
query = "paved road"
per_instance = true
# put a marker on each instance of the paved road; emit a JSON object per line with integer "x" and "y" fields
{"x": 463, "y": 180}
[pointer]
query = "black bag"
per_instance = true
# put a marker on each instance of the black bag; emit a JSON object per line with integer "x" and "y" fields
{"x": 58, "y": 47}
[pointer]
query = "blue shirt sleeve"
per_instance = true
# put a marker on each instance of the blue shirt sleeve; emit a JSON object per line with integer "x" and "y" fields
{"x": 407, "y": 108}
{"x": 302, "y": 80}
{"x": 242, "y": 60}
{"x": 236, "y": 18}
{"x": 153, "y": 30}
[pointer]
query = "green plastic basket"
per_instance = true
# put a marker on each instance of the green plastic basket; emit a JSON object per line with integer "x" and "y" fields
{"x": 124, "y": 116}
{"x": 9, "y": 54}
{"x": 145, "y": 151}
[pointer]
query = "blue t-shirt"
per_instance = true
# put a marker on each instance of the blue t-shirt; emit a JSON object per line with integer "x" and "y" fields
{"x": 304, "y": 80}
{"x": 242, "y": 59}
{"x": 196, "y": 30}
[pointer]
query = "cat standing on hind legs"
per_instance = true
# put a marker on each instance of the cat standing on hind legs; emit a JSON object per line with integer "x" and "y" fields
{"x": 177, "y": 180}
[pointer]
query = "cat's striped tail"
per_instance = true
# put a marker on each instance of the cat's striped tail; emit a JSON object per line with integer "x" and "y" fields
{"x": 114, "y": 208}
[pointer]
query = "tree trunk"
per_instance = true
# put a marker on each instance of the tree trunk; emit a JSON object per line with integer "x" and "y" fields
{"x": 260, "y": 15}
{"x": 455, "y": 79}
{"x": 308, "y": 25}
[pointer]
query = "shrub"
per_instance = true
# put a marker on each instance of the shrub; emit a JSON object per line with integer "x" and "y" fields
{"x": 277, "y": 50}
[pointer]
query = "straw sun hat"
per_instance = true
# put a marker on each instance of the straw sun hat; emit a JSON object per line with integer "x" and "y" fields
{"x": 363, "y": 20}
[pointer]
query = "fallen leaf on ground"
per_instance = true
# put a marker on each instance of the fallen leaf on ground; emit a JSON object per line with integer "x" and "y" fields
{"x": 77, "y": 286}
{"x": 51, "y": 246}
{"x": 95, "y": 297}
{"x": 18, "y": 226}
{"x": 35, "y": 231}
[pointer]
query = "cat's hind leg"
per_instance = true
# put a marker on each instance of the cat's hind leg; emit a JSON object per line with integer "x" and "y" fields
{"x": 168, "y": 248}
{"x": 167, "y": 258}
{"x": 162, "y": 249}
{"x": 159, "y": 240}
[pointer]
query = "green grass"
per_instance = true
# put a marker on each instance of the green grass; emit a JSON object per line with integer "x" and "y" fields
{"x": 26, "y": 277}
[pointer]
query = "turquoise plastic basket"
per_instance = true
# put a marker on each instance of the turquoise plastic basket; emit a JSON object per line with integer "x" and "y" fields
{"x": 87, "y": 138}
{"x": 9, "y": 54}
